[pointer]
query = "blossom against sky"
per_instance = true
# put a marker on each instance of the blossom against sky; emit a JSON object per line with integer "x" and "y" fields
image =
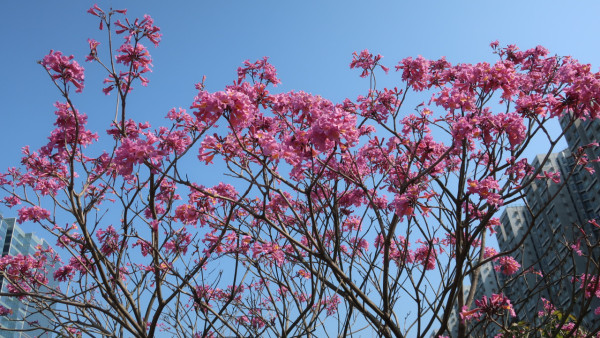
{"x": 310, "y": 42}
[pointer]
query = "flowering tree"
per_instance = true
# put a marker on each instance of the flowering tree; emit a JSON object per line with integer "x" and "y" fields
{"x": 331, "y": 217}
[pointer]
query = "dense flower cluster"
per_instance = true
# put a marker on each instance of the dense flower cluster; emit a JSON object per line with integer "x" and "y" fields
{"x": 24, "y": 273}
{"x": 64, "y": 68}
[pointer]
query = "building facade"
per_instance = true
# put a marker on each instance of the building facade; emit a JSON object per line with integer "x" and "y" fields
{"x": 15, "y": 242}
{"x": 542, "y": 234}
{"x": 545, "y": 233}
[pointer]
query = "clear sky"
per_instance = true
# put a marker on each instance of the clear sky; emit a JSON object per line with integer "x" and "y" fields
{"x": 310, "y": 43}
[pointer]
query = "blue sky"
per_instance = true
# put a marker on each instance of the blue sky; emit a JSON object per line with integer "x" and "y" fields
{"x": 310, "y": 43}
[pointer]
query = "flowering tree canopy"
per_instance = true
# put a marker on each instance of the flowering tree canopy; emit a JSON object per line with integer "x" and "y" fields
{"x": 331, "y": 217}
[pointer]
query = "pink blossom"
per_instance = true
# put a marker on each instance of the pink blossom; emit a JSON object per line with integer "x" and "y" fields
{"x": 62, "y": 67}
{"x": 554, "y": 176}
{"x": 426, "y": 255}
{"x": 466, "y": 314}
{"x": 64, "y": 273}
{"x": 272, "y": 251}
{"x": 73, "y": 331}
{"x": 93, "y": 50}
{"x": 302, "y": 273}
{"x": 35, "y": 214}
{"x": 367, "y": 62}
{"x": 495, "y": 304}
{"x": 109, "y": 239}
{"x": 577, "y": 247}
{"x": 359, "y": 245}
{"x": 95, "y": 10}
{"x": 187, "y": 214}
{"x": 133, "y": 152}
{"x": 26, "y": 273}
{"x": 139, "y": 29}
{"x": 489, "y": 252}
{"x": 70, "y": 130}
{"x": 403, "y": 205}
{"x": 548, "y": 308}
{"x": 490, "y": 307}
{"x": 260, "y": 69}
{"x": 415, "y": 72}
{"x": 138, "y": 57}
{"x": 507, "y": 265}
{"x": 591, "y": 286}
{"x": 352, "y": 223}
{"x": 5, "y": 311}
{"x": 82, "y": 264}
{"x": 331, "y": 304}
{"x": 486, "y": 190}
{"x": 225, "y": 190}
{"x": 145, "y": 247}
{"x": 11, "y": 201}
{"x": 179, "y": 244}
{"x": 211, "y": 106}
{"x": 176, "y": 141}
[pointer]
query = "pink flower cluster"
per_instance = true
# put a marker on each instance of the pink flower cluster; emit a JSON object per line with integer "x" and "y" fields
{"x": 554, "y": 176}
{"x": 207, "y": 295}
{"x": 331, "y": 304}
{"x": 109, "y": 239}
{"x": 81, "y": 264}
{"x": 180, "y": 242}
{"x": 415, "y": 72}
{"x": 137, "y": 57}
{"x": 64, "y": 68}
{"x": 367, "y": 61}
{"x": 5, "y": 311}
{"x": 211, "y": 106}
{"x": 302, "y": 127}
{"x": 426, "y": 255}
{"x": 64, "y": 273}
{"x": 491, "y": 307}
{"x": 47, "y": 170}
{"x": 139, "y": 29}
{"x": 260, "y": 69}
{"x": 548, "y": 308}
{"x": 34, "y": 214}
{"x": 271, "y": 252}
{"x": 131, "y": 54}
{"x": 24, "y": 273}
{"x": 507, "y": 265}
{"x": 591, "y": 286}
{"x": 139, "y": 145}
{"x": 486, "y": 190}
{"x": 70, "y": 130}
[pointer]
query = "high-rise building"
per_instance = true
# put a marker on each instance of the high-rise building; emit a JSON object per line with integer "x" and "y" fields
{"x": 545, "y": 232}
{"x": 580, "y": 136}
{"x": 17, "y": 242}
{"x": 542, "y": 234}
